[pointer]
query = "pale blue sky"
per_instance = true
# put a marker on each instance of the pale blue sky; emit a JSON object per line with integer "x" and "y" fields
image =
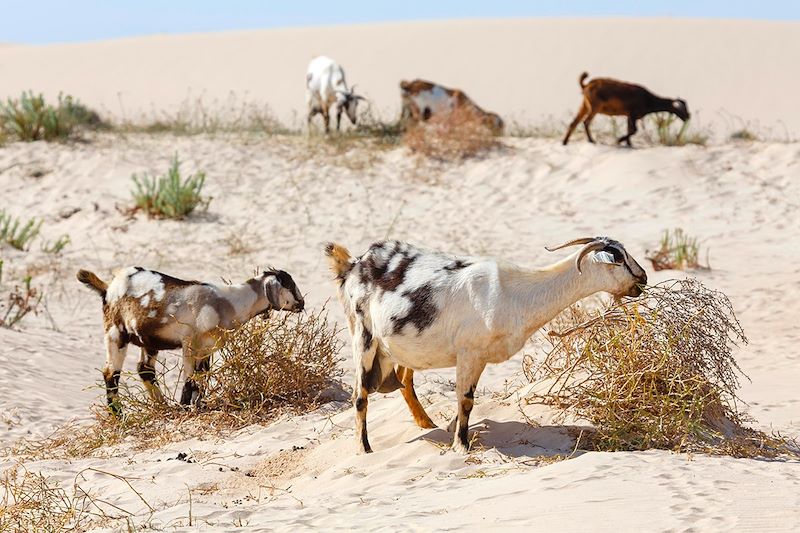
{"x": 49, "y": 21}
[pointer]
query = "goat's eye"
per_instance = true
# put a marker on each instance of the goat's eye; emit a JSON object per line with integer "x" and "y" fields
{"x": 618, "y": 258}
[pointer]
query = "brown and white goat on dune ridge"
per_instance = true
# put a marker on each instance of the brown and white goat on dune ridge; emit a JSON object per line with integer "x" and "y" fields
{"x": 613, "y": 97}
{"x": 411, "y": 309}
{"x": 158, "y": 312}
{"x": 422, "y": 100}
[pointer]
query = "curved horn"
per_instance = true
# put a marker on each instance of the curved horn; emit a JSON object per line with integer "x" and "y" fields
{"x": 583, "y": 240}
{"x": 592, "y": 246}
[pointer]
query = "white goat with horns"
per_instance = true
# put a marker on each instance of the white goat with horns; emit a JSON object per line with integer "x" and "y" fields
{"x": 325, "y": 87}
{"x": 410, "y": 309}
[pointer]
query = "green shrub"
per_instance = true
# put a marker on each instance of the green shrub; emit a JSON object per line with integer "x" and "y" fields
{"x": 169, "y": 196}
{"x": 668, "y": 137}
{"x": 743, "y": 135}
{"x": 677, "y": 251}
{"x": 17, "y": 234}
{"x": 30, "y": 118}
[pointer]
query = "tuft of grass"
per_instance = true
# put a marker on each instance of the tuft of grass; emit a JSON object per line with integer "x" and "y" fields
{"x": 656, "y": 371}
{"x": 17, "y": 301}
{"x": 677, "y": 251}
{"x": 29, "y": 118}
{"x": 451, "y": 137}
{"x": 663, "y": 123}
{"x": 16, "y": 233}
{"x": 169, "y": 196}
{"x": 197, "y": 116}
{"x": 267, "y": 367}
{"x": 57, "y": 246}
{"x": 743, "y": 135}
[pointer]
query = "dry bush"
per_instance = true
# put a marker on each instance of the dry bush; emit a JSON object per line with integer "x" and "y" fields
{"x": 677, "y": 251}
{"x": 32, "y": 502}
{"x": 654, "y": 372}
{"x": 272, "y": 365}
{"x": 451, "y": 136}
{"x": 18, "y": 301}
{"x": 268, "y": 367}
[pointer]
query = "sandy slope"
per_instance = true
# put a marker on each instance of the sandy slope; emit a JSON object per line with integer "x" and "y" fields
{"x": 729, "y": 71}
{"x": 741, "y": 199}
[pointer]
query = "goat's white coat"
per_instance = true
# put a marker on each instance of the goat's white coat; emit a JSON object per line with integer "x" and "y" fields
{"x": 484, "y": 311}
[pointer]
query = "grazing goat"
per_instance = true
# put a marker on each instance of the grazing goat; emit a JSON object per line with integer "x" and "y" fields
{"x": 612, "y": 97}
{"x": 326, "y": 86}
{"x": 409, "y": 309}
{"x": 423, "y": 99}
{"x": 158, "y": 312}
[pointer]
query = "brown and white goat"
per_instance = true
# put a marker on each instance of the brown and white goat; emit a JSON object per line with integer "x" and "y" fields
{"x": 158, "y": 312}
{"x": 613, "y": 97}
{"x": 423, "y": 99}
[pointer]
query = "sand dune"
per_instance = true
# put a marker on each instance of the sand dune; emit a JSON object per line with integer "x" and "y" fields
{"x": 732, "y": 73}
{"x": 739, "y": 198}
{"x": 277, "y": 199}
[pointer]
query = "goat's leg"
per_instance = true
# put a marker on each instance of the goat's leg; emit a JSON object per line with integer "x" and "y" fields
{"x": 202, "y": 366}
{"x": 338, "y": 117}
{"x": 586, "y": 124}
{"x": 147, "y": 371}
{"x": 468, "y": 371}
{"x": 312, "y": 111}
{"x": 115, "y": 357}
{"x": 326, "y": 118}
{"x": 422, "y": 419}
{"x": 364, "y": 348}
{"x": 582, "y": 112}
{"x": 631, "y": 131}
{"x": 196, "y": 358}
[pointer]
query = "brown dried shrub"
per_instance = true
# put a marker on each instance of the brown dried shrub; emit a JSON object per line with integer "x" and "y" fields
{"x": 656, "y": 371}
{"x": 457, "y": 135}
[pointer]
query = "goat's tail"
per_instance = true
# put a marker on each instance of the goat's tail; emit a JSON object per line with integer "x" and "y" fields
{"x": 340, "y": 260}
{"x": 583, "y": 77}
{"x": 91, "y": 280}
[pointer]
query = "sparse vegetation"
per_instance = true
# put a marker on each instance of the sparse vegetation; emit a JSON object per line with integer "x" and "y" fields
{"x": 654, "y": 372}
{"x": 18, "y": 301}
{"x": 57, "y": 246}
{"x": 196, "y": 116}
{"x": 30, "y": 118}
{"x": 451, "y": 137}
{"x": 169, "y": 196}
{"x": 32, "y": 501}
{"x": 743, "y": 135}
{"x": 284, "y": 363}
{"x": 663, "y": 123}
{"x": 16, "y": 233}
{"x": 677, "y": 251}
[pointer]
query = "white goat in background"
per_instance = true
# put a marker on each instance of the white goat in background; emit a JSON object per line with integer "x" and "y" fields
{"x": 326, "y": 87}
{"x": 410, "y": 309}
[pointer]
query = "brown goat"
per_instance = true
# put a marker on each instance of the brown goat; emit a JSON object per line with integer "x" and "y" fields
{"x": 613, "y": 97}
{"x": 422, "y": 99}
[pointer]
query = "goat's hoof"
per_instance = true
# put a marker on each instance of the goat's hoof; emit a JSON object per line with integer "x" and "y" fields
{"x": 459, "y": 448}
{"x": 115, "y": 409}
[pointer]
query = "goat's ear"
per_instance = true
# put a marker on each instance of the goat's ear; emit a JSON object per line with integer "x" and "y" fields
{"x": 604, "y": 257}
{"x": 272, "y": 288}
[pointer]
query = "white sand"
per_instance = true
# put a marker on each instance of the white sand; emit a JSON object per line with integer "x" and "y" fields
{"x": 732, "y": 73}
{"x": 741, "y": 199}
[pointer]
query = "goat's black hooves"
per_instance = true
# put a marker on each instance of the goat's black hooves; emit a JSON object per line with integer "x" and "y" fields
{"x": 115, "y": 409}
